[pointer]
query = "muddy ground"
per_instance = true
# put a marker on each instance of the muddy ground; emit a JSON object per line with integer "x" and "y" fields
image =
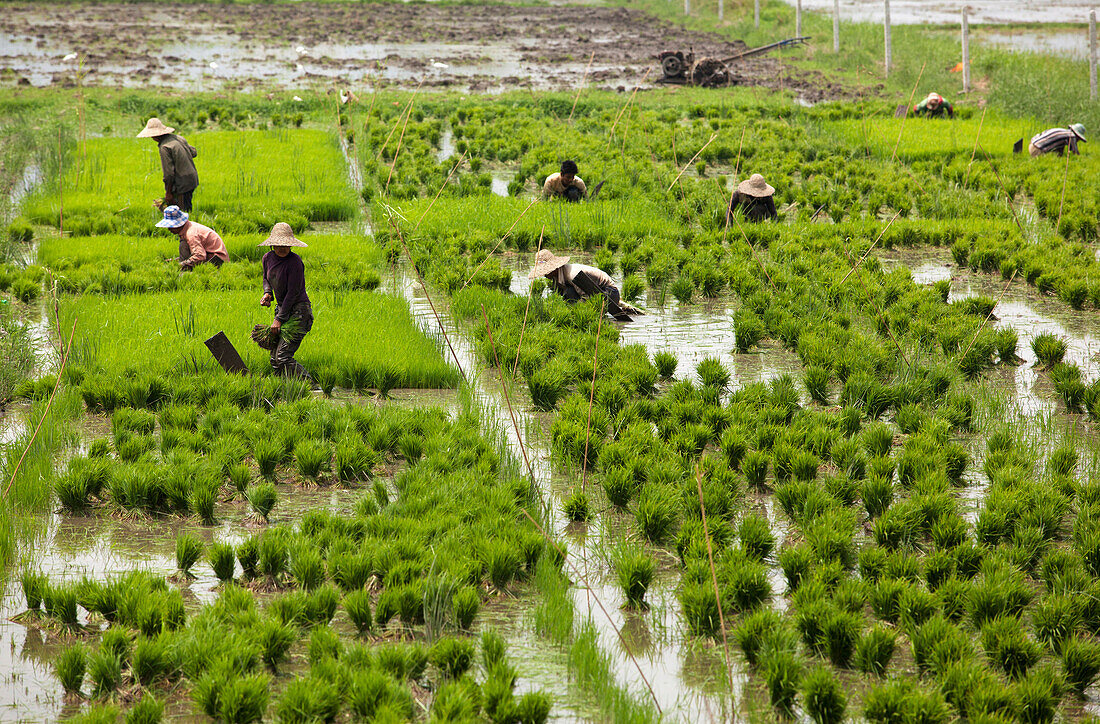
{"x": 477, "y": 48}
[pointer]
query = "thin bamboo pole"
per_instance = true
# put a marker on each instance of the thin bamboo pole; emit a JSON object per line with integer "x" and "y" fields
{"x": 629, "y": 100}
{"x": 866, "y": 253}
{"x": 714, "y": 575}
{"x": 686, "y": 165}
{"x": 494, "y": 251}
{"x": 975, "y": 150}
{"x": 584, "y": 77}
{"x": 1062, "y": 203}
{"x": 530, "y": 293}
{"x": 442, "y": 186}
{"x": 592, "y": 394}
{"x": 909, "y": 105}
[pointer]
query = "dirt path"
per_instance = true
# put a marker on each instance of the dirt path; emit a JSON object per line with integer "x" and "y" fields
{"x": 258, "y": 46}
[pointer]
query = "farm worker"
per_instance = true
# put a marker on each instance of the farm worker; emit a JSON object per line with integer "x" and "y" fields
{"x": 565, "y": 184}
{"x": 754, "y": 198}
{"x": 559, "y": 271}
{"x": 1055, "y": 140}
{"x": 285, "y": 282}
{"x": 180, "y": 177}
{"x": 198, "y": 243}
{"x": 934, "y": 106}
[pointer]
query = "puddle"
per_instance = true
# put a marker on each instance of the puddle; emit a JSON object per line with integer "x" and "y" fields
{"x": 446, "y": 144}
{"x": 1072, "y": 44}
{"x": 912, "y": 12}
{"x": 32, "y": 176}
{"x": 500, "y": 182}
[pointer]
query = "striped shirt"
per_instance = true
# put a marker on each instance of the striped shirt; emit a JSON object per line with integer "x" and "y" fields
{"x": 1054, "y": 140}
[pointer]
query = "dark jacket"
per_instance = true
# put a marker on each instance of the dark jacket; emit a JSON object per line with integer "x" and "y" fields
{"x": 754, "y": 208}
{"x": 285, "y": 279}
{"x": 176, "y": 153}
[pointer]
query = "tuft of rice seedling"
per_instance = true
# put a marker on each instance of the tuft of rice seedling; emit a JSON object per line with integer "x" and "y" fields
{"x": 353, "y": 460}
{"x": 262, "y": 498}
{"x": 307, "y": 567}
{"x": 822, "y": 696}
{"x": 350, "y": 571}
{"x": 841, "y": 632}
{"x": 619, "y": 485}
{"x": 243, "y": 699}
{"x": 796, "y": 562}
{"x": 656, "y": 513}
{"x": 34, "y": 587}
{"x": 411, "y": 447}
{"x": 308, "y": 700}
{"x": 70, "y": 665}
{"x": 757, "y": 539}
{"x": 105, "y": 671}
{"x": 312, "y": 457}
{"x": 878, "y": 439}
{"x": 1008, "y": 647}
{"x": 273, "y": 555}
{"x": 274, "y": 639}
{"x": 153, "y": 660}
{"x": 755, "y": 467}
{"x": 532, "y": 708}
{"x": 713, "y": 374}
{"x": 546, "y": 386}
{"x": 874, "y": 650}
{"x": 502, "y": 563}
{"x": 248, "y": 555}
{"x": 1049, "y": 349}
{"x": 452, "y": 656}
{"x": 465, "y": 604}
{"x": 816, "y": 381}
{"x": 268, "y": 453}
{"x": 324, "y": 643}
{"x": 149, "y": 710}
{"x": 203, "y": 498}
{"x": 72, "y": 492}
{"x": 1055, "y": 619}
{"x": 188, "y": 552}
{"x": 1063, "y": 461}
{"x": 222, "y": 560}
{"x": 577, "y": 507}
{"x": 734, "y": 446}
{"x": 321, "y": 604}
{"x": 357, "y": 606}
{"x": 1038, "y": 695}
{"x": 700, "y": 609}
{"x": 240, "y": 477}
{"x": 665, "y": 362}
{"x": 1081, "y": 663}
{"x": 634, "y": 569}
{"x": 782, "y": 670}
{"x": 60, "y": 603}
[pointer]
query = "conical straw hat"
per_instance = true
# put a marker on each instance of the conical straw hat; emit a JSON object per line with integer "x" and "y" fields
{"x": 282, "y": 235}
{"x": 155, "y": 127}
{"x": 756, "y": 186}
{"x": 545, "y": 263}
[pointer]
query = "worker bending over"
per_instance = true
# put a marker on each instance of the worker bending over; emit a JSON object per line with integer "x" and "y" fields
{"x": 180, "y": 176}
{"x": 198, "y": 244}
{"x": 559, "y": 271}
{"x": 284, "y": 280}
{"x": 565, "y": 184}
{"x": 934, "y": 106}
{"x": 754, "y": 198}
{"x": 1055, "y": 140}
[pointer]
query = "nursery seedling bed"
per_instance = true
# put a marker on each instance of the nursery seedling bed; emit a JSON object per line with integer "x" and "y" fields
{"x": 468, "y": 47}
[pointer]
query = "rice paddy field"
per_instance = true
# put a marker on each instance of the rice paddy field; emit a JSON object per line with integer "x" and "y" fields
{"x": 843, "y": 468}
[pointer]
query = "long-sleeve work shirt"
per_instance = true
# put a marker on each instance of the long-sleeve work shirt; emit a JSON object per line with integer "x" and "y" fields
{"x": 176, "y": 153}
{"x": 285, "y": 279}
{"x": 754, "y": 208}
{"x": 199, "y": 243}
{"x": 1054, "y": 140}
{"x": 563, "y": 279}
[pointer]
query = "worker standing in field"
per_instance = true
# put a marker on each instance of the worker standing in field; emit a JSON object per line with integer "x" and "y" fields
{"x": 565, "y": 184}
{"x": 934, "y": 106}
{"x": 284, "y": 280}
{"x": 1055, "y": 140}
{"x": 198, "y": 244}
{"x": 176, "y": 154}
{"x": 754, "y": 198}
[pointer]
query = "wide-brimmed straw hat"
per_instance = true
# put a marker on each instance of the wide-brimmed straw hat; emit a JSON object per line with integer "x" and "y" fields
{"x": 173, "y": 218}
{"x": 934, "y": 99}
{"x": 155, "y": 127}
{"x": 282, "y": 235}
{"x": 1078, "y": 130}
{"x": 545, "y": 263}
{"x": 756, "y": 186}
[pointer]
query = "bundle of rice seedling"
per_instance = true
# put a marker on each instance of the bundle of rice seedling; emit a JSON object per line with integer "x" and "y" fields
{"x": 265, "y": 336}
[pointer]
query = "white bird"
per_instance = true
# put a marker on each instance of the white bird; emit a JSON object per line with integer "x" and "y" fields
{"x": 213, "y": 65}
{"x": 301, "y": 50}
{"x": 299, "y": 67}
{"x": 296, "y": 98}
{"x": 70, "y": 56}
{"x": 440, "y": 65}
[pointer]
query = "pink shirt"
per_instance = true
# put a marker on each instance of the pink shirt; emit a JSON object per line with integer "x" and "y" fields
{"x": 198, "y": 243}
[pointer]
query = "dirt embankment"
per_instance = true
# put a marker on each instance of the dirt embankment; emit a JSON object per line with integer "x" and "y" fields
{"x": 467, "y": 47}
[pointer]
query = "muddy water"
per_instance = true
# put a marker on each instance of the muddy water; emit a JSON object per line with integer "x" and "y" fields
{"x": 661, "y": 658}
{"x": 1021, "y": 308}
{"x": 1072, "y": 44}
{"x": 912, "y": 12}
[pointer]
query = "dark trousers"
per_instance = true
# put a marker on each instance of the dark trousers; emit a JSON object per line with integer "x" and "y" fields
{"x": 183, "y": 200}
{"x": 290, "y": 339}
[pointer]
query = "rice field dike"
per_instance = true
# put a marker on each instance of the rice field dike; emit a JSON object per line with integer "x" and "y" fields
{"x": 843, "y": 468}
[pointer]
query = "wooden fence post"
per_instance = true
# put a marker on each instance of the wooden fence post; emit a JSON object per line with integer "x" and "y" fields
{"x": 756, "y": 13}
{"x": 886, "y": 31}
{"x": 966, "y": 50}
{"x": 798, "y": 18}
{"x": 1092, "y": 54}
{"x": 836, "y": 26}
{"x": 721, "y": 9}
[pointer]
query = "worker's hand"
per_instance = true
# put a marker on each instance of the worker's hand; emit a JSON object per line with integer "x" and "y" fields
{"x": 265, "y": 300}
{"x": 276, "y": 325}
{"x": 184, "y": 266}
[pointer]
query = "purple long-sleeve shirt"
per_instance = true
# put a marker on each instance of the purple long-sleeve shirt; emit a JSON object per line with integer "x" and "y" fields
{"x": 285, "y": 279}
